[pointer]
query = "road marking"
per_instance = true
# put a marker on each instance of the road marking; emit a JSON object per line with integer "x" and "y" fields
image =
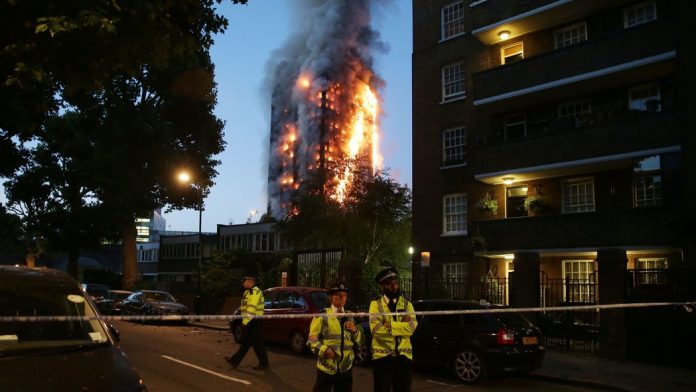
{"x": 239, "y": 380}
{"x": 441, "y": 383}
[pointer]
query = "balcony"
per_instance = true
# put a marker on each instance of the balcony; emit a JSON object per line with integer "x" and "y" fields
{"x": 636, "y": 227}
{"x": 524, "y": 17}
{"x": 608, "y": 134}
{"x": 632, "y": 55}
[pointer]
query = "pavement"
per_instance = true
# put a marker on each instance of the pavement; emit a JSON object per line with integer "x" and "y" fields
{"x": 587, "y": 370}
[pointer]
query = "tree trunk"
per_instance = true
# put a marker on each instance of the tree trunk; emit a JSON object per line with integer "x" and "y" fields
{"x": 30, "y": 259}
{"x": 130, "y": 264}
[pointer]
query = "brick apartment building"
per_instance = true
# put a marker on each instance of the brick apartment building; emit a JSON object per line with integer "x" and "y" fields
{"x": 554, "y": 138}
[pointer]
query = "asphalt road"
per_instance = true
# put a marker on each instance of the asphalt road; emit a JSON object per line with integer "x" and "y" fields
{"x": 176, "y": 358}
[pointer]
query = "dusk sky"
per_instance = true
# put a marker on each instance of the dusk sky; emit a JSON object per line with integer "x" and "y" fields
{"x": 240, "y": 56}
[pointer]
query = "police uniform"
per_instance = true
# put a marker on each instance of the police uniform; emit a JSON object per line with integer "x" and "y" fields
{"x": 252, "y": 304}
{"x": 392, "y": 352}
{"x": 330, "y": 333}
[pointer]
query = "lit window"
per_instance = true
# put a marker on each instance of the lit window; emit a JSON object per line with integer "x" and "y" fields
{"x": 515, "y": 126}
{"x": 570, "y": 35}
{"x": 647, "y": 181}
{"x": 645, "y": 98}
{"x": 453, "y": 20}
{"x": 453, "y": 81}
{"x": 453, "y": 143}
{"x": 512, "y": 53}
{"x": 454, "y": 214}
{"x": 651, "y": 271}
{"x": 579, "y": 281}
{"x": 639, "y": 14}
{"x": 578, "y": 195}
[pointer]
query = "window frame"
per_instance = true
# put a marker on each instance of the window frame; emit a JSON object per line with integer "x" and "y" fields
{"x": 650, "y": 274}
{"x": 507, "y": 125}
{"x": 656, "y": 199}
{"x": 586, "y": 287}
{"x": 503, "y": 56}
{"x": 643, "y": 100}
{"x": 570, "y": 28}
{"x": 573, "y": 208}
{"x": 644, "y": 5}
{"x": 458, "y": 23}
{"x": 459, "y": 94}
{"x": 463, "y": 228}
{"x": 453, "y": 158}
{"x": 575, "y": 103}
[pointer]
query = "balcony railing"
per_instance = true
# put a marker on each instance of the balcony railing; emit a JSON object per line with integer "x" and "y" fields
{"x": 593, "y": 229}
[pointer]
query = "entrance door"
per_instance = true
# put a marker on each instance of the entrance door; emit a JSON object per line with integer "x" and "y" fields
{"x": 515, "y": 201}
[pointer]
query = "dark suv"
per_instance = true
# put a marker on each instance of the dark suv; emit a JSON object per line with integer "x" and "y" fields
{"x": 57, "y": 355}
{"x": 287, "y": 300}
{"x": 474, "y": 345}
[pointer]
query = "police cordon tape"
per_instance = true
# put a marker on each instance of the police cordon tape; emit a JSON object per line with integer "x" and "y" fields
{"x": 688, "y": 306}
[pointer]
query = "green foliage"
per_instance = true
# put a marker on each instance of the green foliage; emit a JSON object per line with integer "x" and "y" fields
{"x": 534, "y": 203}
{"x": 487, "y": 203}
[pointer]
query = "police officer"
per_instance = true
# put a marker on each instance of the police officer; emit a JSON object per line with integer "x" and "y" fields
{"x": 252, "y": 304}
{"x": 392, "y": 353}
{"x": 333, "y": 339}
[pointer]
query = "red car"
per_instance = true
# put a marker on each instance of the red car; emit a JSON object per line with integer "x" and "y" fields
{"x": 287, "y": 300}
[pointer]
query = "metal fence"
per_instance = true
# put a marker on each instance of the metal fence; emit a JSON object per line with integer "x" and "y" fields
{"x": 573, "y": 330}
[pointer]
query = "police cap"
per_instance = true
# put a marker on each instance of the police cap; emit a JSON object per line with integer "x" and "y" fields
{"x": 386, "y": 274}
{"x": 336, "y": 286}
{"x": 248, "y": 276}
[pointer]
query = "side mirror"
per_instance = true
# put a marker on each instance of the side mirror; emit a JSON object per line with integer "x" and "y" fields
{"x": 115, "y": 333}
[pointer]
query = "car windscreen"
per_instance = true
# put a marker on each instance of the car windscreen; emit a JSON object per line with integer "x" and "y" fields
{"x": 157, "y": 296}
{"x": 39, "y": 336}
{"x": 320, "y": 299}
{"x": 512, "y": 320}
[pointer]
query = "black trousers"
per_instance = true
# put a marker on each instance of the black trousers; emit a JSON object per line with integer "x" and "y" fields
{"x": 341, "y": 382}
{"x": 251, "y": 337}
{"x": 391, "y": 374}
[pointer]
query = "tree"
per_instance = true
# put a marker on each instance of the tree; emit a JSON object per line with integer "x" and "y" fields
{"x": 55, "y": 52}
{"x": 372, "y": 224}
{"x": 142, "y": 71}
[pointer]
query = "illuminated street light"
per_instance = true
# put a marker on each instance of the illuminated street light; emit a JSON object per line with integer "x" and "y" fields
{"x": 185, "y": 177}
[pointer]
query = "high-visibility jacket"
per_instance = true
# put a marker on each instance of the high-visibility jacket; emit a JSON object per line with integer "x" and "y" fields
{"x": 252, "y": 304}
{"x": 330, "y": 332}
{"x": 393, "y": 339}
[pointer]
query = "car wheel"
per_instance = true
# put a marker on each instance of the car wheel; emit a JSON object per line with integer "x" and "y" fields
{"x": 298, "y": 342}
{"x": 237, "y": 333}
{"x": 469, "y": 366}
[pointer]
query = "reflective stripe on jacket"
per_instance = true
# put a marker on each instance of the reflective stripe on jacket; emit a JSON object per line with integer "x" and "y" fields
{"x": 384, "y": 339}
{"x": 324, "y": 333}
{"x": 252, "y": 304}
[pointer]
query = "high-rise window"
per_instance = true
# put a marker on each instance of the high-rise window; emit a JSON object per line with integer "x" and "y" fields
{"x": 453, "y": 81}
{"x": 645, "y": 98}
{"x": 639, "y": 14}
{"x": 578, "y": 195}
{"x": 454, "y": 214}
{"x": 570, "y": 35}
{"x": 647, "y": 181}
{"x": 453, "y": 20}
{"x": 515, "y": 126}
{"x": 453, "y": 143}
{"x": 577, "y": 108}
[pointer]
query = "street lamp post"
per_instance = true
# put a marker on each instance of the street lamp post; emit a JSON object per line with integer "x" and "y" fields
{"x": 186, "y": 178}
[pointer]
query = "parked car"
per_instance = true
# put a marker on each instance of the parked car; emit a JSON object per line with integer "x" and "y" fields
{"x": 287, "y": 300}
{"x": 113, "y": 301}
{"x": 152, "y": 303}
{"x": 474, "y": 345}
{"x": 97, "y": 291}
{"x": 76, "y": 355}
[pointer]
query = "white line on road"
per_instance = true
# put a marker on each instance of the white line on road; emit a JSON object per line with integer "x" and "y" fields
{"x": 239, "y": 380}
{"x": 441, "y": 383}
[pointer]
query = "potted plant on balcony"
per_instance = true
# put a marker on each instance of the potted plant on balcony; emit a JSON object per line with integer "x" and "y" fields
{"x": 535, "y": 205}
{"x": 488, "y": 204}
